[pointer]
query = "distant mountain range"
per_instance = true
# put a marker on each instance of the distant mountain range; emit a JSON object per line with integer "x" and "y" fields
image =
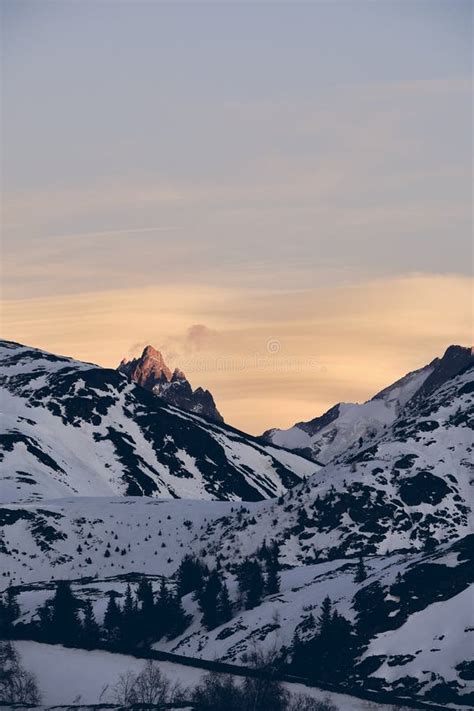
{"x": 151, "y": 372}
{"x": 329, "y": 435}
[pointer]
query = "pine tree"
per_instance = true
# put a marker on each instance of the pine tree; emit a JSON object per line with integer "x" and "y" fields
{"x": 372, "y": 610}
{"x": 224, "y": 605}
{"x": 272, "y": 584}
{"x": 65, "y": 626}
{"x": 90, "y": 628}
{"x": 208, "y": 601}
{"x": 146, "y": 612}
{"x": 255, "y": 586}
{"x": 324, "y": 620}
{"x": 129, "y": 627}
{"x": 9, "y": 612}
{"x": 251, "y": 583}
{"x": 329, "y": 656}
{"x": 177, "y": 618}
{"x": 190, "y": 575}
{"x": 112, "y": 619}
{"x": 162, "y": 622}
{"x": 361, "y": 573}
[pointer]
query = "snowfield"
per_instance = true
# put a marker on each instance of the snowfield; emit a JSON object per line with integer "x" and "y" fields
{"x": 56, "y": 669}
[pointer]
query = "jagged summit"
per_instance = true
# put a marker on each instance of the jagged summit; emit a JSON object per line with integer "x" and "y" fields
{"x": 454, "y": 361}
{"x": 148, "y": 370}
{"x": 151, "y": 372}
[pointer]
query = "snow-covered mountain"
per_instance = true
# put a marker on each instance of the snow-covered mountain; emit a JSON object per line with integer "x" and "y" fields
{"x": 151, "y": 372}
{"x": 72, "y": 428}
{"x": 419, "y": 625}
{"x": 408, "y": 488}
{"x": 401, "y": 497}
{"x": 327, "y": 436}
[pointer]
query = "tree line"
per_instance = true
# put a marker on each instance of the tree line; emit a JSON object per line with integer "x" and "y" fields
{"x": 142, "y": 616}
{"x": 323, "y": 648}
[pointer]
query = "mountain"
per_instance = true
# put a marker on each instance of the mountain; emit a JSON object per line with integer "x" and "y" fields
{"x": 410, "y": 487}
{"x": 151, "y": 372}
{"x": 329, "y": 435}
{"x": 400, "y": 498}
{"x": 72, "y": 428}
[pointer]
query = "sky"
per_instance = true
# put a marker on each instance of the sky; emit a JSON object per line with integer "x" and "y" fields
{"x": 275, "y": 194}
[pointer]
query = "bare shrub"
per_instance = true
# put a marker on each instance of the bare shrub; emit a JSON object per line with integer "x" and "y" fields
{"x": 17, "y": 686}
{"x": 150, "y": 686}
{"x": 304, "y": 702}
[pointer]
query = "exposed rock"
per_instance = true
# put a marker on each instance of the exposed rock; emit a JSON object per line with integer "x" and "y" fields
{"x": 151, "y": 372}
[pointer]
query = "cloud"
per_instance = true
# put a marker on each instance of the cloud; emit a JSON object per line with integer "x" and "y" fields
{"x": 198, "y": 338}
{"x": 337, "y": 342}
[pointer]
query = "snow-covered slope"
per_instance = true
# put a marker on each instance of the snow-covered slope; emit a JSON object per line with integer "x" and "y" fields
{"x": 329, "y": 435}
{"x": 419, "y": 631}
{"x": 402, "y": 498}
{"x": 74, "y": 428}
{"x": 68, "y": 538}
{"x": 56, "y": 669}
{"x": 410, "y": 488}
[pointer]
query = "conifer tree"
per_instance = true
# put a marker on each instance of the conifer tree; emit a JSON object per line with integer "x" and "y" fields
{"x": 113, "y": 619}
{"x": 189, "y": 575}
{"x": 146, "y": 612}
{"x": 208, "y": 601}
{"x": 255, "y": 585}
{"x": 177, "y": 618}
{"x": 361, "y": 573}
{"x": 65, "y": 626}
{"x": 90, "y": 628}
{"x": 272, "y": 584}
{"x": 9, "y": 612}
{"x": 324, "y": 620}
{"x": 162, "y": 622}
{"x": 129, "y": 628}
{"x": 251, "y": 583}
{"x": 224, "y": 605}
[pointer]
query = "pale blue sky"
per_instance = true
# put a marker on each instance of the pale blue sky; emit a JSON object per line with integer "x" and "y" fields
{"x": 257, "y": 136}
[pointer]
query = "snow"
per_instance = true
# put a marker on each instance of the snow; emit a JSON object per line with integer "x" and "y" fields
{"x": 59, "y": 526}
{"x": 67, "y": 676}
{"x": 57, "y": 453}
{"x": 353, "y": 420}
{"x": 439, "y": 637}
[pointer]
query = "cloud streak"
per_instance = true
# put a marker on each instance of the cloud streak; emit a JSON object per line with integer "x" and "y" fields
{"x": 336, "y": 343}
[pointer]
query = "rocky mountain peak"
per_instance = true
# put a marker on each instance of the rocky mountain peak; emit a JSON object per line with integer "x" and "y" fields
{"x": 151, "y": 372}
{"x": 148, "y": 370}
{"x": 455, "y": 360}
{"x": 178, "y": 375}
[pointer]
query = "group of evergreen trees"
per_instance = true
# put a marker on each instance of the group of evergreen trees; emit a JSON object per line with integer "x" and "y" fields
{"x": 209, "y": 589}
{"x": 329, "y": 655}
{"x": 9, "y": 612}
{"x": 138, "y": 621}
{"x": 257, "y": 578}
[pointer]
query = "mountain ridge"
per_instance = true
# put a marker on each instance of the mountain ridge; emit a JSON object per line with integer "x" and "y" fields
{"x": 151, "y": 372}
{"x": 74, "y": 428}
{"x": 326, "y": 436}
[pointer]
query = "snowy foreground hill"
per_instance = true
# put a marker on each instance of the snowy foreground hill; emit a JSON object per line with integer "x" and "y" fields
{"x": 93, "y": 465}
